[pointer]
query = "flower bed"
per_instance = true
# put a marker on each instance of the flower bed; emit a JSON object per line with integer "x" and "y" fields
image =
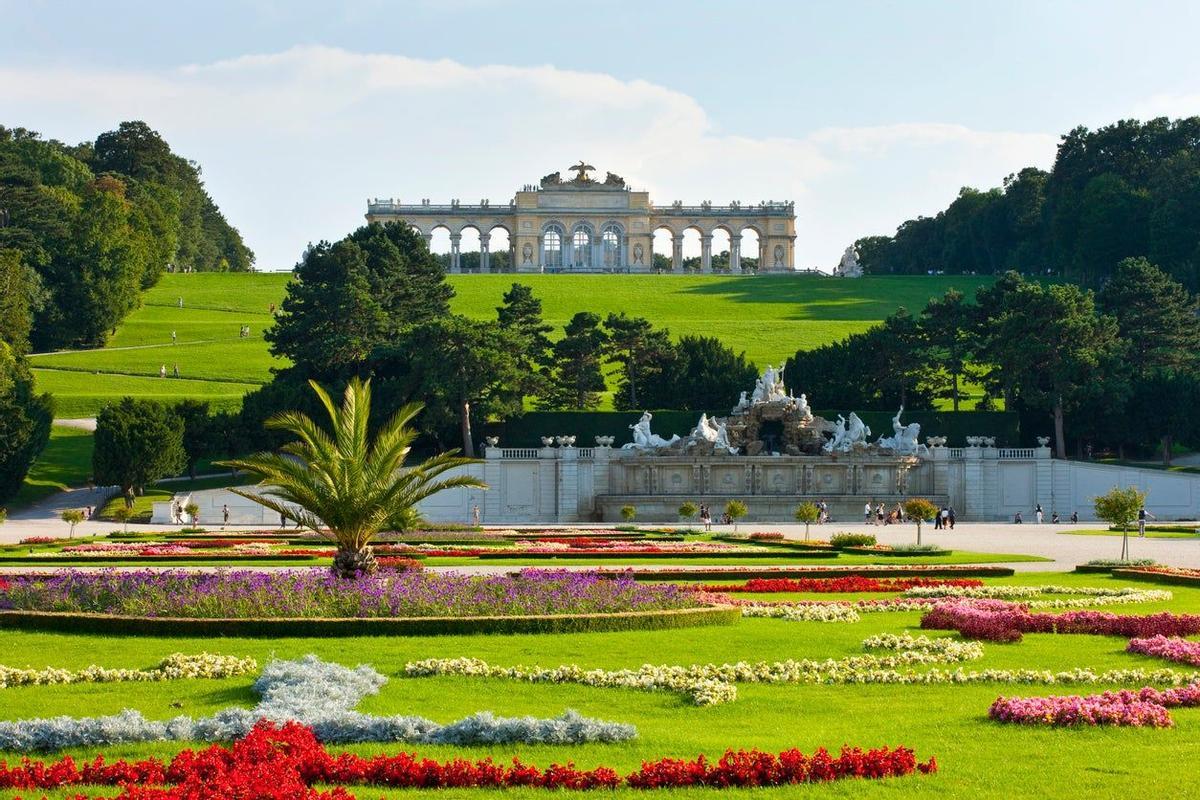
{"x": 849, "y": 583}
{"x": 878, "y": 571}
{"x": 173, "y": 667}
{"x": 1144, "y": 708}
{"x": 897, "y": 552}
{"x": 1177, "y": 576}
{"x": 285, "y": 761}
{"x": 1172, "y": 648}
{"x": 999, "y": 621}
{"x": 248, "y": 594}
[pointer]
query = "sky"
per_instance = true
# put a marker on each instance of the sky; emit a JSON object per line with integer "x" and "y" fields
{"x": 864, "y": 113}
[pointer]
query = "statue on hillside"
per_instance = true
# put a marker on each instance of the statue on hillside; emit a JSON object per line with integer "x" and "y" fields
{"x": 644, "y": 439}
{"x": 849, "y": 267}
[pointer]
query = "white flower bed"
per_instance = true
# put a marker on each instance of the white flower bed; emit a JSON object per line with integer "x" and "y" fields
{"x": 173, "y": 667}
{"x": 1094, "y": 596}
{"x": 814, "y": 612}
{"x": 323, "y": 696}
{"x": 710, "y": 684}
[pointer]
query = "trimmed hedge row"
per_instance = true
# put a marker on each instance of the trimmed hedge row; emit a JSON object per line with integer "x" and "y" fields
{"x": 112, "y": 624}
{"x": 527, "y": 430}
{"x": 948, "y": 571}
{"x": 567, "y": 554}
{"x": 1136, "y": 574}
{"x": 869, "y": 551}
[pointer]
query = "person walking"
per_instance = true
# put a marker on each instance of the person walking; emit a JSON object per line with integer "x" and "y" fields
{"x": 1142, "y": 514}
{"x": 937, "y": 519}
{"x": 180, "y": 302}
{"x": 879, "y": 513}
{"x": 173, "y": 337}
{"x": 224, "y": 516}
{"x": 162, "y": 371}
{"x": 1017, "y": 520}
{"x": 945, "y": 515}
{"x": 1037, "y": 513}
{"x": 475, "y": 515}
{"x": 950, "y": 517}
{"x": 1074, "y": 517}
{"x": 705, "y": 517}
{"x": 282, "y": 520}
{"x": 867, "y": 513}
{"x": 175, "y": 371}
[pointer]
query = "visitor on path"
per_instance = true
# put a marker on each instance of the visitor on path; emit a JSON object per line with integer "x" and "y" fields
{"x": 899, "y": 512}
{"x": 1017, "y": 520}
{"x": 282, "y": 520}
{"x": 950, "y": 517}
{"x": 174, "y": 512}
{"x": 1054, "y": 518}
{"x": 162, "y": 371}
{"x": 1037, "y": 512}
{"x": 705, "y": 517}
{"x": 224, "y": 516}
{"x": 823, "y": 516}
{"x": 879, "y": 514}
{"x": 173, "y": 337}
{"x": 1142, "y": 514}
{"x": 180, "y": 302}
{"x": 475, "y": 515}
{"x": 175, "y": 371}
{"x": 1074, "y": 517}
{"x": 867, "y": 513}
{"x": 272, "y": 309}
{"x": 87, "y": 513}
{"x": 938, "y": 518}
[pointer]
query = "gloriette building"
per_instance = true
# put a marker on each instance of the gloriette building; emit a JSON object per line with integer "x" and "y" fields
{"x": 587, "y": 225}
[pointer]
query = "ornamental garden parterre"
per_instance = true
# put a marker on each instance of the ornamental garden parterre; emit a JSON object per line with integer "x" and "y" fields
{"x": 772, "y": 692}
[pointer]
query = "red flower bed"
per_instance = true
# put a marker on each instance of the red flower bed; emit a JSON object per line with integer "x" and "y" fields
{"x": 282, "y": 763}
{"x": 848, "y": 583}
{"x": 38, "y": 540}
{"x": 205, "y": 544}
{"x": 399, "y": 564}
{"x": 998, "y": 621}
{"x": 305, "y": 551}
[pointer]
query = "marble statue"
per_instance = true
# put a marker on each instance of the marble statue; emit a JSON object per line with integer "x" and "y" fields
{"x": 743, "y": 403}
{"x": 905, "y": 439}
{"x": 492, "y": 441}
{"x": 722, "y": 437}
{"x": 802, "y": 406}
{"x": 769, "y": 387}
{"x": 644, "y": 439}
{"x": 849, "y": 267}
{"x": 849, "y": 434}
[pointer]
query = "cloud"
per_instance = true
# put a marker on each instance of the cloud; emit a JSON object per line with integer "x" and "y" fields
{"x": 1168, "y": 105}
{"x": 292, "y": 143}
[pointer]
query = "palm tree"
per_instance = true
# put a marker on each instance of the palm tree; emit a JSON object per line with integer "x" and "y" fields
{"x": 347, "y": 487}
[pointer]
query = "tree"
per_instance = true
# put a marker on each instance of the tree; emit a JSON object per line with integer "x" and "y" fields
{"x": 71, "y": 516}
{"x": 197, "y": 431}
{"x": 1052, "y": 343}
{"x": 628, "y": 513}
{"x": 735, "y": 510}
{"x": 1120, "y": 507}
{"x": 193, "y": 512}
{"x": 521, "y": 313}
{"x": 1155, "y": 313}
{"x": 356, "y": 295}
{"x": 701, "y": 373}
{"x": 945, "y": 328}
{"x": 919, "y": 509}
{"x": 639, "y": 349}
{"x": 342, "y": 483}
{"x": 577, "y": 377}
{"x": 123, "y": 514}
{"x": 687, "y": 510}
{"x": 807, "y": 513}
{"x": 1172, "y": 395}
{"x": 25, "y": 418}
{"x": 137, "y": 442}
{"x": 462, "y": 368}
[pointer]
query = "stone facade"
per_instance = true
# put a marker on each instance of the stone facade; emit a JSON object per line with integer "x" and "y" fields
{"x": 586, "y": 225}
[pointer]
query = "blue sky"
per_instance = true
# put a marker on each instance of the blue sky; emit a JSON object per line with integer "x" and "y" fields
{"x": 864, "y": 113}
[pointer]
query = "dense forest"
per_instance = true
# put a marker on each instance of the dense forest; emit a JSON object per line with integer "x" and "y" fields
{"x": 93, "y": 224}
{"x": 1131, "y": 189}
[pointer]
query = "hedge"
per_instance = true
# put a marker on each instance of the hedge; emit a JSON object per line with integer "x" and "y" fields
{"x": 741, "y": 574}
{"x": 527, "y": 430}
{"x": 395, "y": 626}
{"x": 1136, "y": 574}
{"x": 870, "y": 551}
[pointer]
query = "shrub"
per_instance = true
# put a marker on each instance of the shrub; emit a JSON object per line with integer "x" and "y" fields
{"x": 628, "y": 513}
{"x": 736, "y": 509}
{"x": 687, "y": 510}
{"x": 843, "y": 540}
{"x": 919, "y": 509}
{"x": 807, "y": 513}
{"x": 72, "y": 516}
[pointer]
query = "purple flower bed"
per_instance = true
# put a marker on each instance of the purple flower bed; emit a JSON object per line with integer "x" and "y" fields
{"x": 1171, "y": 648}
{"x": 249, "y": 594}
{"x": 1144, "y": 708}
{"x": 999, "y": 621}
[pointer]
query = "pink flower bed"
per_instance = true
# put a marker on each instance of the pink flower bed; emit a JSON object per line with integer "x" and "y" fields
{"x": 1145, "y": 708}
{"x": 1169, "y": 647}
{"x": 1000, "y": 621}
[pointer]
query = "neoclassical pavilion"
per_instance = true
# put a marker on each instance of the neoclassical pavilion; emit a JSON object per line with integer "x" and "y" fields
{"x": 587, "y": 225}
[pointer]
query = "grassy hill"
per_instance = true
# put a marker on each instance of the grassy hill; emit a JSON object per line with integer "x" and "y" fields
{"x": 770, "y": 317}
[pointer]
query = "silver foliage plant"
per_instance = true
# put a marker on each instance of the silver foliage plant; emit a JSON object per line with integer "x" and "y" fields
{"x": 323, "y": 696}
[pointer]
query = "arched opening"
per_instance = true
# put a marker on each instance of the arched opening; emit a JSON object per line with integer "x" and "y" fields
{"x": 468, "y": 249}
{"x": 664, "y": 242}
{"x": 719, "y": 249}
{"x": 749, "y": 250}
{"x": 691, "y": 250}
{"x": 612, "y": 247}
{"x": 500, "y": 255}
{"x": 553, "y": 242}
{"x": 581, "y": 248}
{"x": 439, "y": 245}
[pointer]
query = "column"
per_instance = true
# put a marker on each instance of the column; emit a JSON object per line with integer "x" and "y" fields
{"x": 568, "y": 485}
{"x": 735, "y": 252}
{"x": 428, "y": 237}
{"x": 706, "y": 252}
{"x": 484, "y": 240}
{"x": 455, "y": 239}
{"x": 677, "y": 252}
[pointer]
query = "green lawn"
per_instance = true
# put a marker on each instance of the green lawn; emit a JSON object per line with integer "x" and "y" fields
{"x": 1150, "y": 533}
{"x": 977, "y": 758}
{"x": 770, "y": 317}
{"x": 65, "y": 463}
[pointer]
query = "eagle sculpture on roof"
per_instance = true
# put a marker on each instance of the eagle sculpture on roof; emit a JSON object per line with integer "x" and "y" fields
{"x": 582, "y": 168}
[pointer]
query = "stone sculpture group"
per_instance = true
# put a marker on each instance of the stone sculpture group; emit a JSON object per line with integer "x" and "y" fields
{"x": 770, "y": 401}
